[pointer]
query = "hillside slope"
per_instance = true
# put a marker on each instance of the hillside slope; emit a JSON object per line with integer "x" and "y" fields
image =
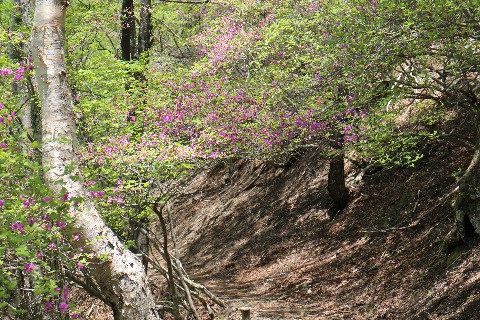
{"x": 261, "y": 237}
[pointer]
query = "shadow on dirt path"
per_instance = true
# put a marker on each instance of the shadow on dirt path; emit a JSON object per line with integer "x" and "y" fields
{"x": 237, "y": 295}
{"x": 260, "y": 236}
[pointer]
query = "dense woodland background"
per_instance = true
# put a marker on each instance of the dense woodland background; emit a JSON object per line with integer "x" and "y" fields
{"x": 310, "y": 159}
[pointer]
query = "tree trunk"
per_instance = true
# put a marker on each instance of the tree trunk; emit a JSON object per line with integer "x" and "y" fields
{"x": 336, "y": 187}
{"x": 121, "y": 277}
{"x": 30, "y": 112}
{"x": 145, "y": 36}
{"x": 336, "y": 183}
{"x": 467, "y": 204}
{"x": 15, "y": 54}
{"x": 128, "y": 34}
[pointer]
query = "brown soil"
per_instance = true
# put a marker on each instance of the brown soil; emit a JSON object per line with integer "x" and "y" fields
{"x": 261, "y": 237}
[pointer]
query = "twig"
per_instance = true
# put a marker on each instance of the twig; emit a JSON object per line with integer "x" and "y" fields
{"x": 416, "y": 203}
{"x": 388, "y": 229}
{"x": 171, "y": 283}
{"x": 178, "y": 263}
{"x": 190, "y": 282}
{"x": 90, "y": 310}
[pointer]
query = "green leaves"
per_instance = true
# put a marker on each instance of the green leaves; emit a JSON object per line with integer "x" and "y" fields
{"x": 22, "y": 251}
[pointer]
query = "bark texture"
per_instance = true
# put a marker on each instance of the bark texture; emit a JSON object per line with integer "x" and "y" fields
{"x": 337, "y": 190}
{"x": 336, "y": 183}
{"x": 121, "y": 278}
{"x": 128, "y": 40}
{"x": 145, "y": 36}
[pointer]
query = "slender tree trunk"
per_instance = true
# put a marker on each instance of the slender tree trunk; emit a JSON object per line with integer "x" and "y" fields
{"x": 121, "y": 277}
{"x": 19, "y": 88}
{"x": 145, "y": 36}
{"x": 17, "y": 20}
{"x": 21, "y": 17}
{"x": 128, "y": 34}
{"x": 467, "y": 204}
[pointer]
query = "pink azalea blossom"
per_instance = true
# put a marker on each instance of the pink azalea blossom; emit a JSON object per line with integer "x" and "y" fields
{"x": 19, "y": 74}
{"x": 61, "y": 224}
{"x": 28, "y": 267}
{"x": 48, "y": 305}
{"x": 63, "y": 307}
{"x": 66, "y": 293}
{"x": 6, "y": 72}
{"x": 18, "y": 226}
{"x": 66, "y": 196}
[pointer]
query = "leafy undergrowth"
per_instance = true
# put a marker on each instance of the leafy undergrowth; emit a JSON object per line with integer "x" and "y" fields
{"x": 261, "y": 237}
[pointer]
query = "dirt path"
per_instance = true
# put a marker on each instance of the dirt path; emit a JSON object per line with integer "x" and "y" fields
{"x": 227, "y": 228}
{"x": 237, "y": 295}
{"x": 261, "y": 237}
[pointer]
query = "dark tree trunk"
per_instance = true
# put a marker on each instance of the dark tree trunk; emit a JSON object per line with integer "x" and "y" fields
{"x": 336, "y": 183}
{"x": 128, "y": 41}
{"x": 336, "y": 188}
{"x": 145, "y": 36}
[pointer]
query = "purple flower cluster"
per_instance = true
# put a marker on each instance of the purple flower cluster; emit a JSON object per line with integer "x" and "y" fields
{"x": 18, "y": 226}
{"x": 28, "y": 267}
{"x": 97, "y": 194}
{"x": 19, "y": 73}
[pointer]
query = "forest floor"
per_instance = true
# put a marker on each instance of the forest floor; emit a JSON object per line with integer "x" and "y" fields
{"x": 262, "y": 237}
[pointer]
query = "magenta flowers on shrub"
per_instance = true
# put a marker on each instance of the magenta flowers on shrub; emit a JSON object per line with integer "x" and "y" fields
{"x": 19, "y": 74}
{"x": 18, "y": 226}
{"x": 48, "y": 305}
{"x": 97, "y": 194}
{"x": 66, "y": 293}
{"x": 28, "y": 267}
{"x": 63, "y": 307}
{"x": 6, "y": 72}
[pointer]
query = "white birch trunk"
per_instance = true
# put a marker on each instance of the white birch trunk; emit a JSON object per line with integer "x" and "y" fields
{"x": 121, "y": 279}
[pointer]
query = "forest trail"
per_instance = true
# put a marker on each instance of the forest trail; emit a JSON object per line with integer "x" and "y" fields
{"x": 205, "y": 248}
{"x": 261, "y": 236}
{"x": 263, "y": 306}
